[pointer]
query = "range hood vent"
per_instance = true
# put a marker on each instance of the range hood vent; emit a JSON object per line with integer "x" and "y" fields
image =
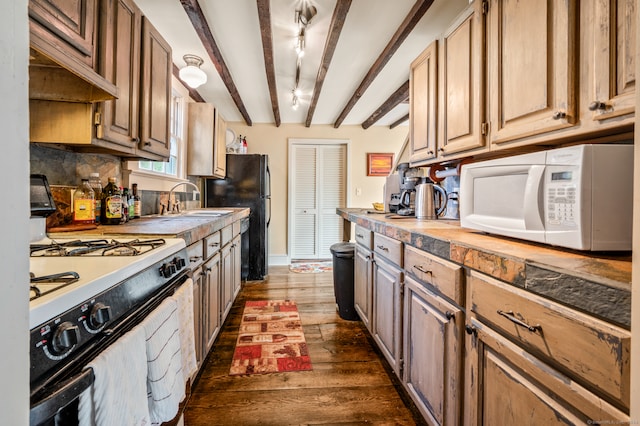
{"x": 55, "y": 76}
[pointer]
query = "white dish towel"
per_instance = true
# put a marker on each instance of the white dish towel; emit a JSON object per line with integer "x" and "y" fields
{"x": 165, "y": 380}
{"x": 184, "y": 299}
{"x": 118, "y": 395}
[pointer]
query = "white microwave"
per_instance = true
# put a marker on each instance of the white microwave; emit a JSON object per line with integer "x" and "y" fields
{"x": 579, "y": 197}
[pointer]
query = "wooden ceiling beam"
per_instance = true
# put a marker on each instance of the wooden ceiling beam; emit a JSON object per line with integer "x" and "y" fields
{"x": 264, "y": 16}
{"x": 395, "y": 99}
{"x": 193, "y": 93}
{"x": 410, "y": 21}
{"x": 399, "y": 122}
{"x": 199, "y": 22}
{"x": 335, "y": 28}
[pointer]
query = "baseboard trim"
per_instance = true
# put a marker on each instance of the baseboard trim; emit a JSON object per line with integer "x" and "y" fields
{"x": 279, "y": 260}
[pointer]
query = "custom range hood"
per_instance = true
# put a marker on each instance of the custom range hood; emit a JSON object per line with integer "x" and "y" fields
{"x": 56, "y": 76}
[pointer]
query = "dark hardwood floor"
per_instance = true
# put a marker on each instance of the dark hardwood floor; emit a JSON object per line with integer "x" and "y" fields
{"x": 350, "y": 383}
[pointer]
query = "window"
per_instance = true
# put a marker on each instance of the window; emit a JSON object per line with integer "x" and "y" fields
{"x": 170, "y": 168}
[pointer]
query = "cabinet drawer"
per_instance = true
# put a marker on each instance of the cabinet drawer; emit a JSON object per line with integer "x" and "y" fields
{"x": 195, "y": 253}
{"x": 236, "y": 228}
{"x": 589, "y": 350}
{"x": 211, "y": 244}
{"x": 388, "y": 248}
{"x": 227, "y": 235}
{"x": 446, "y": 277}
{"x": 364, "y": 237}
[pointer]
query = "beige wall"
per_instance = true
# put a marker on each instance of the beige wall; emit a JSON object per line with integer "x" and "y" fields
{"x": 274, "y": 141}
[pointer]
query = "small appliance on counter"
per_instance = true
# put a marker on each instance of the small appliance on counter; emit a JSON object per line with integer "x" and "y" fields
{"x": 409, "y": 178}
{"x": 431, "y": 201}
{"x": 579, "y": 197}
{"x": 42, "y": 205}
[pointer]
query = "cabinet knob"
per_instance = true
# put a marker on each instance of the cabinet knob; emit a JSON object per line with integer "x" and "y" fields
{"x": 597, "y": 105}
{"x": 147, "y": 143}
{"x": 430, "y": 152}
{"x": 471, "y": 330}
{"x": 440, "y": 150}
{"x": 559, "y": 115}
{"x": 136, "y": 140}
{"x": 449, "y": 315}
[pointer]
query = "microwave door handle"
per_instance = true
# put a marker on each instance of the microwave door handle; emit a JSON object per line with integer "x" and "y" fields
{"x": 534, "y": 199}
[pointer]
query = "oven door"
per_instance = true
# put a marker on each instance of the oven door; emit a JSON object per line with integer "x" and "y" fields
{"x": 56, "y": 403}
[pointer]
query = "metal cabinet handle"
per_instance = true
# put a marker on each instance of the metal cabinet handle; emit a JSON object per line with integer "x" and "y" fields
{"x": 559, "y": 115}
{"x": 359, "y": 235}
{"x": 597, "y": 105}
{"x": 421, "y": 269}
{"x": 381, "y": 247}
{"x": 214, "y": 244}
{"x": 509, "y": 315}
{"x": 194, "y": 258}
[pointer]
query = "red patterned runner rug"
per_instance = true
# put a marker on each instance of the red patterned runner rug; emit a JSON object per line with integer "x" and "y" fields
{"x": 270, "y": 340}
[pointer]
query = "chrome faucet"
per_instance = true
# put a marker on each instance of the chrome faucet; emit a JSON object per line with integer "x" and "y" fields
{"x": 176, "y": 205}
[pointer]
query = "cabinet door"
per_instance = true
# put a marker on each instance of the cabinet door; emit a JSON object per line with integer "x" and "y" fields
{"x": 211, "y": 295}
{"x": 387, "y": 281}
{"x": 433, "y": 341}
{"x": 121, "y": 23}
{"x": 226, "y": 281}
{"x": 198, "y": 285}
{"x": 505, "y": 385}
{"x": 362, "y": 276}
{"x": 69, "y": 25}
{"x": 462, "y": 84}
{"x": 613, "y": 93}
{"x": 532, "y": 59}
{"x": 236, "y": 257}
{"x": 423, "y": 100}
{"x": 220, "y": 147}
{"x": 155, "y": 94}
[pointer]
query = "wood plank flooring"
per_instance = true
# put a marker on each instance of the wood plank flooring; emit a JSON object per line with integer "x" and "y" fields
{"x": 350, "y": 382}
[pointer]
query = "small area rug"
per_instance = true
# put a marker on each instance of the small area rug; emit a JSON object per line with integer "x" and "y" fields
{"x": 311, "y": 267}
{"x": 270, "y": 339}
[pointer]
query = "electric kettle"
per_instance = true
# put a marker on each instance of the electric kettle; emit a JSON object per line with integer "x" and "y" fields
{"x": 431, "y": 200}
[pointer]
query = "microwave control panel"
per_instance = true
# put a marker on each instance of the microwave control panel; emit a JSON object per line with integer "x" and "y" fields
{"x": 561, "y": 196}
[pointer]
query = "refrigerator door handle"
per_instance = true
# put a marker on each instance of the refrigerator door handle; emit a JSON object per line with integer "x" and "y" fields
{"x": 269, "y": 219}
{"x": 268, "y": 182}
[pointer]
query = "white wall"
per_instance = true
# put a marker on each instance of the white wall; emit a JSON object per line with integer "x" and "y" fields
{"x": 273, "y": 141}
{"x": 14, "y": 216}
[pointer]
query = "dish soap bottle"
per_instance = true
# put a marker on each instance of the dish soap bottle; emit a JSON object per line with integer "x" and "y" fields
{"x": 84, "y": 204}
{"x": 111, "y": 204}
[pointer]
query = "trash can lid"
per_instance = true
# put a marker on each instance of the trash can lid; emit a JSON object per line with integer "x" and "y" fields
{"x": 343, "y": 249}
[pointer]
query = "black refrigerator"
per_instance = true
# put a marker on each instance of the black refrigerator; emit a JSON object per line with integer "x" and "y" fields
{"x": 247, "y": 185}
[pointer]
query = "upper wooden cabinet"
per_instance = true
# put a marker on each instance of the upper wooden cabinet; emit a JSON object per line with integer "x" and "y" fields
{"x": 611, "y": 97}
{"x": 423, "y": 119}
{"x": 136, "y": 61}
{"x": 72, "y": 23}
{"x": 462, "y": 85}
{"x": 532, "y": 67}
{"x": 206, "y": 153}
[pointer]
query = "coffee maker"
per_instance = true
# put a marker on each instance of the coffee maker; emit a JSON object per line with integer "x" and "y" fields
{"x": 409, "y": 178}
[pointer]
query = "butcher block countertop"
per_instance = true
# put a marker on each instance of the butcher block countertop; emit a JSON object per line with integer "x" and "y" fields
{"x": 191, "y": 228}
{"x": 596, "y": 283}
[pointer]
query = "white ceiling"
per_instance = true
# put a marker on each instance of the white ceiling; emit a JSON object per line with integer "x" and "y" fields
{"x": 368, "y": 28}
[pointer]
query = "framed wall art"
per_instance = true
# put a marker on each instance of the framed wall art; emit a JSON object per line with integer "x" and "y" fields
{"x": 379, "y": 164}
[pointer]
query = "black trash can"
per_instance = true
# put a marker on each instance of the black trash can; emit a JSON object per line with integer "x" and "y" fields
{"x": 343, "y": 254}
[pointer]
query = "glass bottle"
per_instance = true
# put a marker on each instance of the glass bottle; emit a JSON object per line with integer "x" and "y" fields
{"x": 137, "y": 202}
{"x": 94, "y": 182}
{"x": 84, "y": 204}
{"x": 111, "y": 204}
{"x": 125, "y": 204}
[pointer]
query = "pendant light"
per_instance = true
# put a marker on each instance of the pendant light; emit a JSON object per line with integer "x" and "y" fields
{"x": 192, "y": 75}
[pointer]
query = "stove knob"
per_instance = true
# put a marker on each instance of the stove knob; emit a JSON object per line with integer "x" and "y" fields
{"x": 65, "y": 337}
{"x": 179, "y": 262}
{"x": 172, "y": 269}
{"x": 100, "y": 315}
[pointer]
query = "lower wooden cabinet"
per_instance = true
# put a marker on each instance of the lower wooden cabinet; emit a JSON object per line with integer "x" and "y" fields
{"x": 363, "y": 283}
{"x": 387, "y": 308}
{"x": 211, "y": 301}
{"x": 226, "y": 281}
{"x": 236, "y": 256}
{"x": 433, "y": 353}
{"x": 198, "y": 285}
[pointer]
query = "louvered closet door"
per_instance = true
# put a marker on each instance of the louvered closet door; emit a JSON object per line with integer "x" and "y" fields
{"x": 318, "y": 188}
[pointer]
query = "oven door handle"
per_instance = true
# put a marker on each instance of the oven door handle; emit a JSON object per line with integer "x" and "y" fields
{"x": 60, "y": 396}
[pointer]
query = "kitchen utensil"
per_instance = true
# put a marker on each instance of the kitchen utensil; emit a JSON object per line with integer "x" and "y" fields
{"x": 428, "y": 205}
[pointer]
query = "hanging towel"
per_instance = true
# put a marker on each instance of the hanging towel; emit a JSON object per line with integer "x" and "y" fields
{"x": 165, "y": 381}
{"x": 118, "y": 395}
{"x": 184, "y": 299}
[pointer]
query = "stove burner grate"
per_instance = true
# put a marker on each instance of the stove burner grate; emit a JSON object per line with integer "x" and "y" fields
{"x": 53, "y": 281}
{"x": 101, "y": 247}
